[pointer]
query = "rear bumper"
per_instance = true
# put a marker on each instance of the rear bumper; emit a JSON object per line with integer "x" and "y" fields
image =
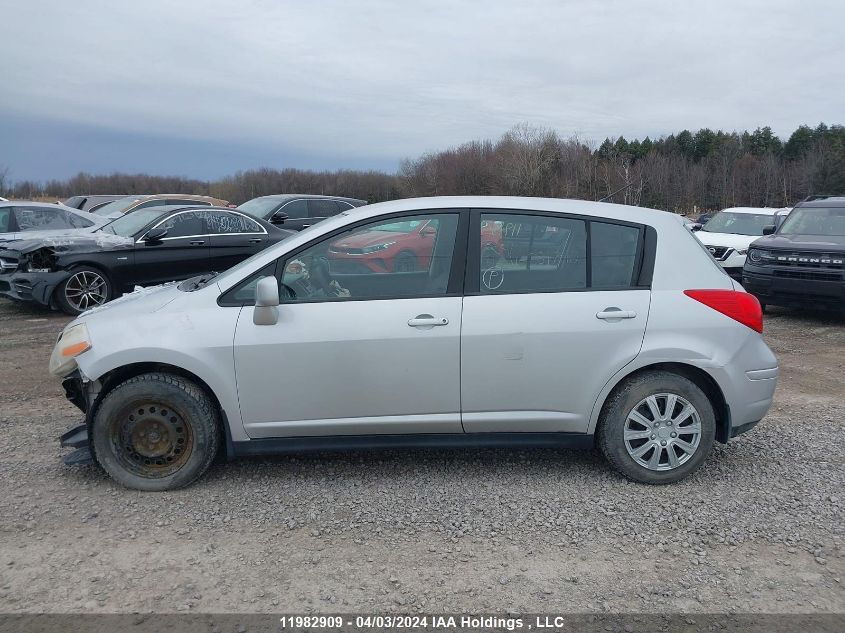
{"x": 748, "y": 384}
{"x": 771, "y": 285}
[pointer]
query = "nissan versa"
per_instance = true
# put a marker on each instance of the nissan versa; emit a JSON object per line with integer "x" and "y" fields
{"x": 594, "y": 324}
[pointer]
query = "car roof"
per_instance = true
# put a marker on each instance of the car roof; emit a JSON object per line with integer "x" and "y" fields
{"x": 823, "y": 201}
{"x": 755, "y": 210}
{"x": 291, "y": 196}
{"x": 519, "y": 203}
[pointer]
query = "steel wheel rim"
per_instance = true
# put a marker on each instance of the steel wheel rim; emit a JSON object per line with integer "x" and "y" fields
{"x": 151, "y": 440}
{"x": 662, "y": 432}
{"x": 85, "y": 289}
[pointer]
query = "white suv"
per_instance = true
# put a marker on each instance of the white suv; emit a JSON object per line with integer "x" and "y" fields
{"x": 429, "y": 322}
{"x": 729, "y": 233}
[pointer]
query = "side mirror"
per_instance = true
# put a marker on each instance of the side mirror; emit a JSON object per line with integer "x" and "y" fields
{"x": 155, "y": 235}
{"x": 696, "y": 227}
{"x": 266, "y": 311}
{"x": 769, "y": 229}
{"x": 279, "y": 217}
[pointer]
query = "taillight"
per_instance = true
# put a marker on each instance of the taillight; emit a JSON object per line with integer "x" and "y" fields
{"x": 740, "y": 306}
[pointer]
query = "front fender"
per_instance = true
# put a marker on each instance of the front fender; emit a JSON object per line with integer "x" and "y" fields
{"x": 199, "y": 342}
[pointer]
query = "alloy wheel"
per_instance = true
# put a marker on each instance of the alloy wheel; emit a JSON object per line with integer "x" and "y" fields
{"x": 86, "y": 289}
{"x": 662, "y": 432}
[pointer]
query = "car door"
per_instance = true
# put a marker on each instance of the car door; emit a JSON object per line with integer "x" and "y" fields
{"x": 182, "y": 253}
{"x": 320, "y": 209}
{"x": 292, "y": 215}
{"x": 547, "y": 320}
{"x": 359, "y": 353}
{"x": 233, "y": 238}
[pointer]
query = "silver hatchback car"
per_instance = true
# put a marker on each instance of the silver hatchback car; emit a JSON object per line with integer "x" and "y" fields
{"x": 464, "y": 321}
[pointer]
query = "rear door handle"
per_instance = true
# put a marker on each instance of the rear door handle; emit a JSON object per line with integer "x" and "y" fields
{"x": 197, "y": 242}
{"x": 427, "y": 321}
{"x": 255, "y": 240}
{"x": 615, "y": 314}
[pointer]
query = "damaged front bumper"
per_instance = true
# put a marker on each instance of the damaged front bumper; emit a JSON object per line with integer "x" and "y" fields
{"x": 78, "y": 392}
{"x": 31, "y": 287}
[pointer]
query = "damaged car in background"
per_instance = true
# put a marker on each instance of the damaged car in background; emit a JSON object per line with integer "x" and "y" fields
{"x": 77, "y": 271}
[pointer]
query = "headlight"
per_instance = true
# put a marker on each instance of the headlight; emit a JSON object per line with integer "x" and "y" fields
{"x": 377, "y": 247}
{"x": 72, "y": 342}
{"x": 757, "y": 256}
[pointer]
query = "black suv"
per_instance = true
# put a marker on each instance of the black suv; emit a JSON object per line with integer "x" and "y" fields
{"x": 803, "y": 261}
{"x": 298, "y": 211}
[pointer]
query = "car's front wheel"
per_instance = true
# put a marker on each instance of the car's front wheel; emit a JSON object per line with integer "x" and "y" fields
{"x": 657, "y": 428}
{"x": 87, "y": 287}
{"x": 156, "y": 431}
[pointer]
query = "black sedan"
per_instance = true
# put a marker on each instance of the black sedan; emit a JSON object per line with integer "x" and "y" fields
{"x": 84, "y": 269}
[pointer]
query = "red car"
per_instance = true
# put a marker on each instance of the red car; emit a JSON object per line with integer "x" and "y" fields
{"x": 403, "y": 246}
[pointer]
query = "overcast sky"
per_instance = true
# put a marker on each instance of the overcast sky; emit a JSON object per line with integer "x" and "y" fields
{"x": 203, "y": 87}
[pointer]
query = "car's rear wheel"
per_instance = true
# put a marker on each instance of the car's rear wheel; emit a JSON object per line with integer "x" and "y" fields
{"x": 657, "y": 428}
{"x": 87, "y": 287}
{"x": 156, "y": 431}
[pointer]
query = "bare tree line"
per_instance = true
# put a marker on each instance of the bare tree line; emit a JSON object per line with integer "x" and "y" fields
{"x": 682, "y": 172}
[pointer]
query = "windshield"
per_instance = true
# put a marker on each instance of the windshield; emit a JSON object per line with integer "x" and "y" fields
{"x": 815, "y": 221}
{"x": 129, "y": 224}
{"x": 739, "y": 223}
{"x": 118, "y": 206}
{"x": 260, "y": 207}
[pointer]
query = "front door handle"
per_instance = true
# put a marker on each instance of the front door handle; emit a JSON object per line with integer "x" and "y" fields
{"x": 427, "y": 321}
{"x": 197, "y": 242}
{"x": 615, "y": 314}
{"x": 255, "y": 240}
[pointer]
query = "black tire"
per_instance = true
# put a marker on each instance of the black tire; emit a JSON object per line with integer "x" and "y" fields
{"x": 405, "y": 262}
{"x": 69, "y": 304}
{"x": 155, "y": 432}
{"x": 625, "y": 397}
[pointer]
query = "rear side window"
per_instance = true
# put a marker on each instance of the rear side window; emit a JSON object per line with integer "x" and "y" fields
{"x": 523, "y": 253}
{"x": 535, "y": 253}
{"x": 41, "y": 219}
{"x": 613, "y": 254}
{"x": 5, "y": 219}
{"x": 223, "y": 222}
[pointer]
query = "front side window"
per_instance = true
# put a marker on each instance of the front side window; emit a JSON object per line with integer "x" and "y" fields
{"x": 411, "y": 257}
{"x": 523, "y": 253}
{"x": 188, "y": 224}
{"x": 5, "y": 219}
{"x": 41, "y": 219}
{"x": 295, "y": 210}
{"x": 814, "y": 221}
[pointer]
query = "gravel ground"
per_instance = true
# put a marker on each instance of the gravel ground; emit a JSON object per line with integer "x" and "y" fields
{"x": 760, "y": 528}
